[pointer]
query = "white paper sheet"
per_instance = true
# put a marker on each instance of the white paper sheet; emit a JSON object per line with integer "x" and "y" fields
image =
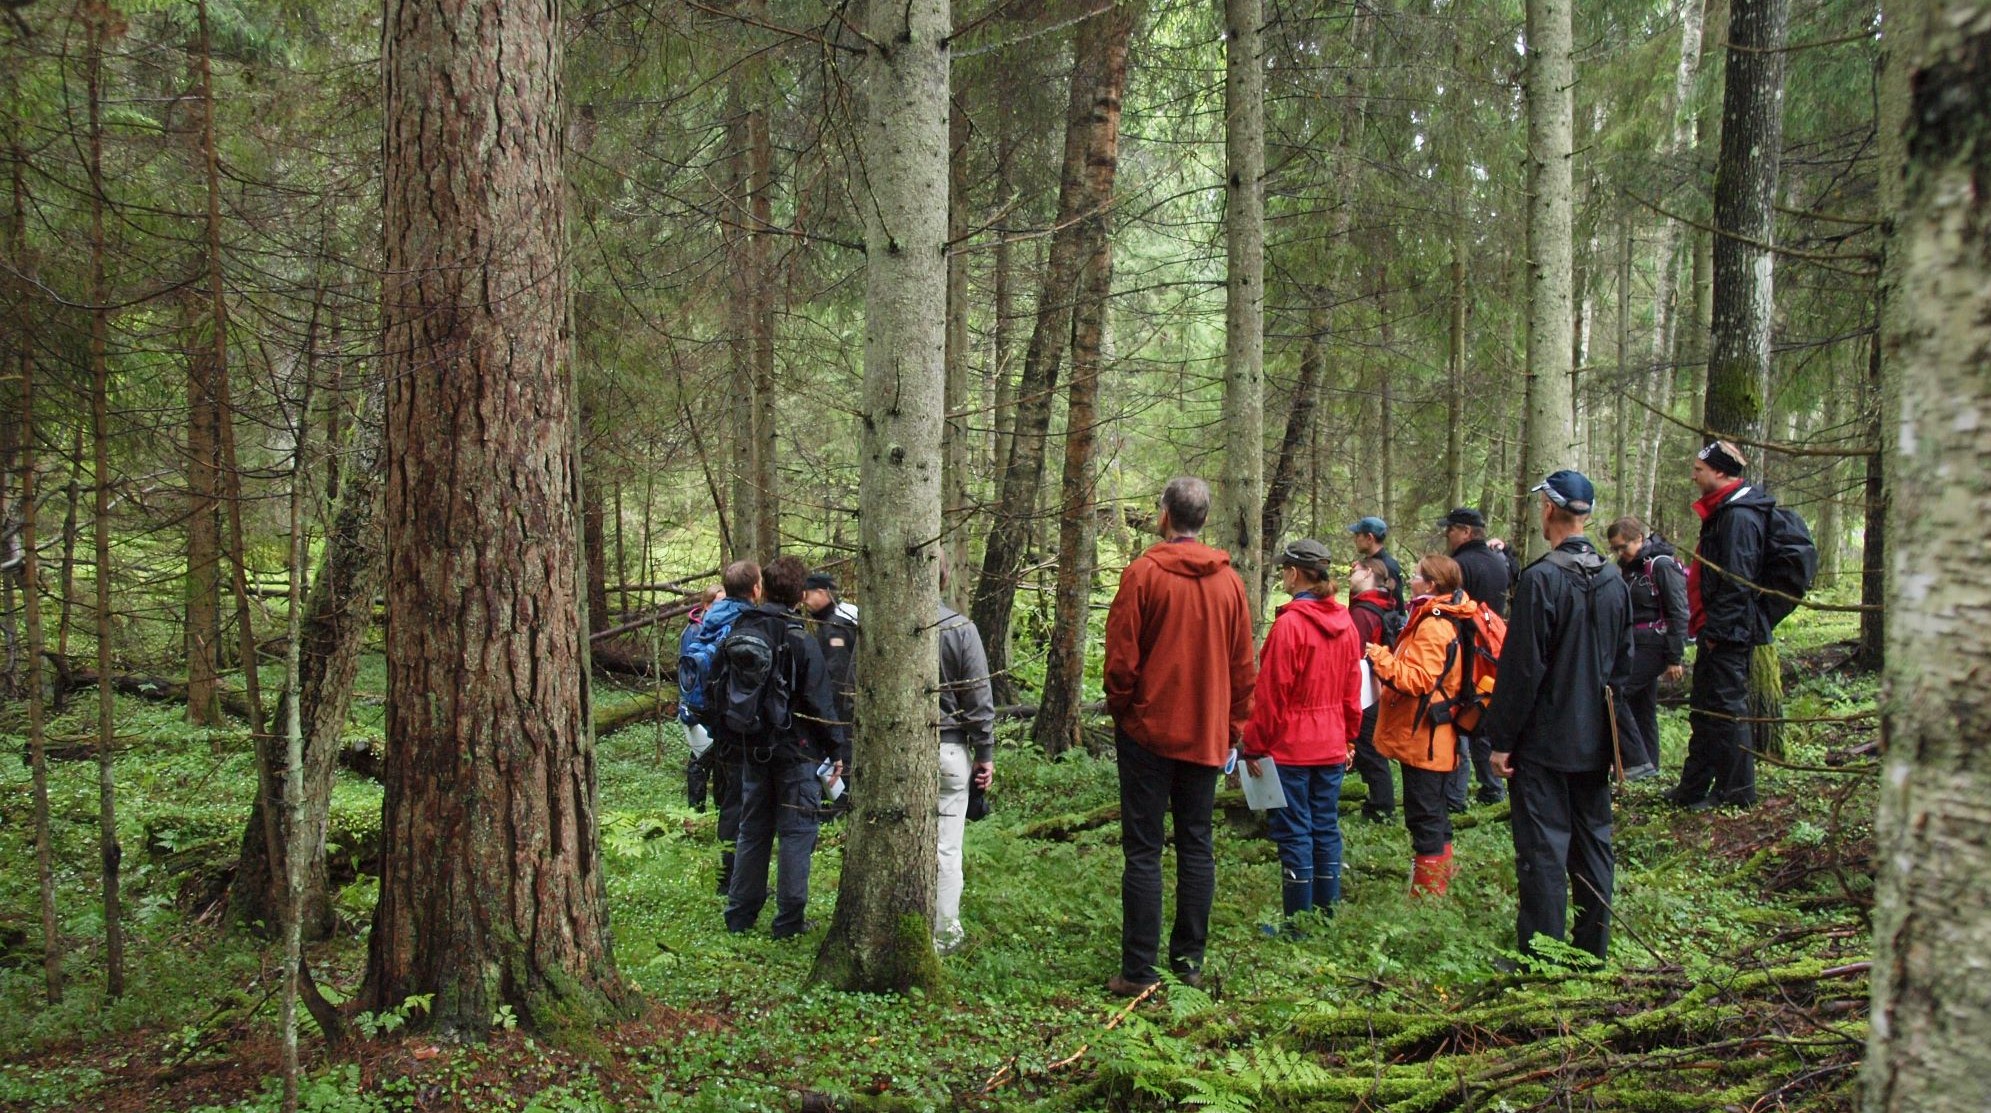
{"x": 1264, "y": 791}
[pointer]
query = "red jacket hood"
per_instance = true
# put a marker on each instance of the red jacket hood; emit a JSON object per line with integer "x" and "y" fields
{"x": 1320, "y": 614}
{"x": 1376, "y": 596}
{"x": 1188, "y": 558}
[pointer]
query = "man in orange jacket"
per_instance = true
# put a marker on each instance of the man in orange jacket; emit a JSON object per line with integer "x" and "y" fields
{"x": 1179, "y": 674}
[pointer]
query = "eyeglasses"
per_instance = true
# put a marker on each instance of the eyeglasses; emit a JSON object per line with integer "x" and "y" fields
{"x": 1619, "y": 546}
{"x": 1419, "y": 575}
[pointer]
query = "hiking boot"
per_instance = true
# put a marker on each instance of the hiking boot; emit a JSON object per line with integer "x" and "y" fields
{"x": 1490, "y": 796}
{"x": 807, "y": 927}
{"x": 1120, "y": 985}
{"x": 1378, "y": 815}
{"x": 1641, "y": 772}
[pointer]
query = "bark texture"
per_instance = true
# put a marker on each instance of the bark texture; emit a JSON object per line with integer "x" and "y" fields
{"x": 336, "y": 618}
{"x": 1091, "y": 116}
{"x": 1058, "y": 723}
{"x": 1551, "y": 440}
{"x": 491, "y": 879}
{"x": 880, "y": 939}
{"x": 1932, "y": 921}
{"x": 1235, "y": 518}
{"x": 955, "y": 465}
{"x": 1745, "y": 197}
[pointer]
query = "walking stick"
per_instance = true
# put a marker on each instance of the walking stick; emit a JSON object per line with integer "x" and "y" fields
{"x": 1617, "y": 743}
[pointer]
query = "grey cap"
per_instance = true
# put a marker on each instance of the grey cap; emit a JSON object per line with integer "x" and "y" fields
{"x": 1309, "y": 554}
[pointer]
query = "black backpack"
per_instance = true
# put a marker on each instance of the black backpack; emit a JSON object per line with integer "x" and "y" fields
{"x": 1790, "y": 562}
{"x": 750, "y": 690}
{"x": 1392, "y": 620}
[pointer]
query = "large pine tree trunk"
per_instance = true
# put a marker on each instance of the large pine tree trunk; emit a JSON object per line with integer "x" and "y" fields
{"x": 1932, "y": 920}
{"x": 880, "y": 939}
{"x": 336, "y": 619}
{"x": 1551, "y": 436}
{"x": 1095, "y": 97}
{"x": 491, "y": 876}
{"x": 1060, "y": 716}
{"x": 1745, "y": 197}
{"x": 1235, "y": 519}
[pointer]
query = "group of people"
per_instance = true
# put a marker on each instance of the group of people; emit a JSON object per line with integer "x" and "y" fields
{"x": 770, "y": 747}
{"x": 1542, "y": 680}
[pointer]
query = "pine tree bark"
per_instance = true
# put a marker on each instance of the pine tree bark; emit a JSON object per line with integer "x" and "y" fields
{"x": 1060, "y": 715}
{"x": 491, "y": 889}
{"x": 1745, "y": 196}
{"x": 1235, "y": 518}
{"x": 880, "y": 938}
{"x": 1090, "y": 117}
{"x": 1551, "y": 441}
{"x": 206, "y": 332}
{"x": 955, "y": 456}
{"x": 1932, "y": 920}
{"x": 760, "y": 304}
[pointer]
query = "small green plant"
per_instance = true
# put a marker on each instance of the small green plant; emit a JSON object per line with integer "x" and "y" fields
{"x": 392, "y": 1020}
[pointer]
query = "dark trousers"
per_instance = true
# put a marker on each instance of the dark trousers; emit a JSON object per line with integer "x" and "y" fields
{"x": 697, "y": 782}
{"x": 725, "y": 774}
{"x": 1308, "y": 829}
{"x": 1719, "y": 757}
{"x": 1638, "y": 707}
{"x": 1480, "y": 756}
{"x": 1153, "y": 788}
{"x": 778, "y": 798}
{"x": 1374, "y": 768}
{"x": 1562, "y": 841}
{"x": 1424, "y": 810}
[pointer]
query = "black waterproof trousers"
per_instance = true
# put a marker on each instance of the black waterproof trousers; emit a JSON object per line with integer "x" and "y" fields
{"x": 1719, "y": 757}
{"x": 1152, "y": 789}
{"x": 1424, "y": 813}
{"x": 1374, "y": 769}
{"x": 1638, "y": 707}
{"x": 1562, "y": 842}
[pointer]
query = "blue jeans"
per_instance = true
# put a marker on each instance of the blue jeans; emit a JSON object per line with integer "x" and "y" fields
{"x": 1152, "y": 788}
{"x": 1308, "y": 828}
{"x": 779, "y": 798}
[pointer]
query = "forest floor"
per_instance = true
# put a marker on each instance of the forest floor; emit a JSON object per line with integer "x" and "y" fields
{"x": 1737, "y": 980}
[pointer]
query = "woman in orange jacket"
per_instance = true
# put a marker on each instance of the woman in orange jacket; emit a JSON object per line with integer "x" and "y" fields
{"x": 1412, "y": 681}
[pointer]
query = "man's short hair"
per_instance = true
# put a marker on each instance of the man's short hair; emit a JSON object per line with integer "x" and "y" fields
{"x": 739, "y": 579}
{"x": 1627, "y": 528}
{"x": 781, "y": 581}
{"x": 1187, "y": 501}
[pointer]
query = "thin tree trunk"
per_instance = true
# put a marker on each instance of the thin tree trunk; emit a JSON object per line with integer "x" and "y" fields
{"x": 1550, "y": 77}
{"x": 1299, "y": 424}
{"x": 1002, "y": 329}
{"x": 207, "y": 358}
{"x": 1235, "y": 519}
{"x": 73, "y": 500}
{"x": 1056, "y": 727}
{"x": 111, "y": 854}
{"x": 1385, "y": 399}
{"x": 1932, "y": 912}
{"x": 594, "y": 539}
{"x": 1093, "y": 109}
{"x": 1626, "y": 380}
{"x": 1873, "y": 547}
{"x": 491, "y": 888}
{"x": 24, "y": 348}
{"x": 880, "y": 936}
{"x": 760, "y": 304}
{"x": 293, "y": 722}
{"x": 954, "y": 461}
{"x": 742, "y": 405}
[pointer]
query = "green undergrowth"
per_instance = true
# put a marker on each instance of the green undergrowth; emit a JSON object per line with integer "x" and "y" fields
{"x": 1734, "y": 975}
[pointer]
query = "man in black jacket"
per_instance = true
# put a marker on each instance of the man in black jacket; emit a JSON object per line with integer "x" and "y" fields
{"x": 1483, "y": 574}
{"x": 834, "y": 622}
{"x": 1658, "y": 588}
{"x": 1728, "y": 623}
{"x": 1549, "y": 723}
{"x": 780, "y": 793}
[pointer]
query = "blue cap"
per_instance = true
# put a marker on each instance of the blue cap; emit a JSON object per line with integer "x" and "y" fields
{"x": 1372, "y": 525}
{"x": 1568, "y": 489}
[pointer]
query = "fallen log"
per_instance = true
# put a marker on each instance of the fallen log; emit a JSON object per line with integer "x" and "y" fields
{"x": 1029, "y": 710}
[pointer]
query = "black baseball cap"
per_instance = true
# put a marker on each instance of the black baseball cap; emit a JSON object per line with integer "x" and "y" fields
{"x": 819, "y": 581}
{"x": 1463, "y": 516}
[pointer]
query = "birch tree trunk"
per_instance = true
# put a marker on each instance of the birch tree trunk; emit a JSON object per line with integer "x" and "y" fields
{"x": 1234, "y": 520}
{"x": 1932, "y": 919}
{"x": 880, "y": 938}
{"x": 1550, "y": 75}
{"x": 491, "y": 877}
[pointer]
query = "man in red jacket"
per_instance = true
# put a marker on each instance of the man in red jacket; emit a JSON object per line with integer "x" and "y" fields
{"x": 1179, "y": 674}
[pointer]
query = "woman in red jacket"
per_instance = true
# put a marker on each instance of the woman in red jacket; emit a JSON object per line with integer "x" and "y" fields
{"x": 1305, "y": 714}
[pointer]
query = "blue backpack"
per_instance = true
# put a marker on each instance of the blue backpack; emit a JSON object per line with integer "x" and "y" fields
{"x": 698, "y": 649}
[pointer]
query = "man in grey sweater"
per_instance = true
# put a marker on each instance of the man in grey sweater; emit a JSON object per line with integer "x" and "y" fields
{"x": 967, "y": 755}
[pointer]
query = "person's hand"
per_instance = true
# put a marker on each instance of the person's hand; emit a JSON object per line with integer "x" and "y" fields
{"x": 1704, "y": 642}
{"x": 1503, "y": 764}
{"x": 1676, "y": 673}
{"x": 836, "y": 770}
{"x": 1251, "y": 766}
{"x": 1372, "y": 650}
{"x": 984, "y": 773}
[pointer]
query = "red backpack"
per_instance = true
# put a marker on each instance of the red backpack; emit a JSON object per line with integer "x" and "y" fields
{"x": 1476, "y": 651}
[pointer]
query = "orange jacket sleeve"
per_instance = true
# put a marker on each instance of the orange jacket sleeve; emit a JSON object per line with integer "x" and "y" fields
{"x": 1123, "y": 642}
{"x": 1413, "y": 668}
{"x": 1244, "y": 670}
